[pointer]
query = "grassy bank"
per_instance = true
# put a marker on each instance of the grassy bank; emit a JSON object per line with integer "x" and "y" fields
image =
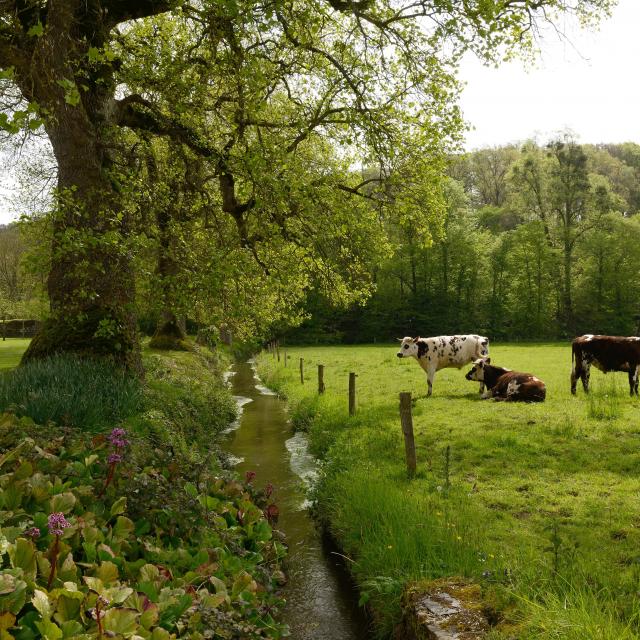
{"x": 11, "y": 351}
{"x": 134, "y": 530}
{"x": 538, "y": 503}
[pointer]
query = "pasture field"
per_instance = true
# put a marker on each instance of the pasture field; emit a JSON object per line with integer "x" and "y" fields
{"x": 540, "y": 503}
{"x": 11, "y": 351}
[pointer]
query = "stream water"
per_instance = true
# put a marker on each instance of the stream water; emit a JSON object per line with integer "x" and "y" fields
{"x": 321, "y": 599}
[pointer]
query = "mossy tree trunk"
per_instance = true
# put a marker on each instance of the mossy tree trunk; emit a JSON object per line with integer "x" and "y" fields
{"x": 60, "y": 60}
{"x": 170, "y": 332}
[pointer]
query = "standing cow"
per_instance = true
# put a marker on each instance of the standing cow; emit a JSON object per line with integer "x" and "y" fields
{"x": 607, "y": 353}
{"x": 442, "y": 352}
{"x": 504, "y": 384}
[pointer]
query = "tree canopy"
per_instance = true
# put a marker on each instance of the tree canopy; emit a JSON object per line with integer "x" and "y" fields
{"x": 302, "y": 129}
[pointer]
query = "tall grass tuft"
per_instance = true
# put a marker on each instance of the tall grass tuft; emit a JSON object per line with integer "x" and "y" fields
{"x": 604, "y": 403}
{"x": 80, "y": 393}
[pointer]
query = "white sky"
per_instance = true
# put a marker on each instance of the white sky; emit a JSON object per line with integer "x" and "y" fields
{"x": 587, "y": 84}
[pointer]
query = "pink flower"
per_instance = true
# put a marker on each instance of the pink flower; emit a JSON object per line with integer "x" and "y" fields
{"x": 56, "y": 523}
{"x": 249, "y": 476}
{"x": 117, "y": 438}
{"x": 34, "y": 533}
{"x": 114, "y": 458}
{"x": 268, "y": 490}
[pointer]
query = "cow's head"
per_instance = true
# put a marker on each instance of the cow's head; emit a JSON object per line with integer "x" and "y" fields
{"x": 408, "y": 348}
{"x": 477, "y": 373}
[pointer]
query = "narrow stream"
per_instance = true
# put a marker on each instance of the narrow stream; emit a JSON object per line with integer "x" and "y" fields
{"x": 321, "y": 600}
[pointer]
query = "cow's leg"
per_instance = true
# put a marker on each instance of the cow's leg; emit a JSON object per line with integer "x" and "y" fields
{"x": 586, "y": 371}
{"x": 576, "y": 372}
{"x": 430, "y": 376}
{"x": 633, "y": 379}
{"x": 481, "y": 387}
{"x": 487, "y": 395}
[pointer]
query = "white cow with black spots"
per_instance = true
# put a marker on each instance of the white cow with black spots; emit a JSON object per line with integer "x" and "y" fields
{"x": 443, "y": 352}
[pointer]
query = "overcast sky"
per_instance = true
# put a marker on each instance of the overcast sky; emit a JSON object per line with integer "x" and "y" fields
{"x": 586, "y": 83}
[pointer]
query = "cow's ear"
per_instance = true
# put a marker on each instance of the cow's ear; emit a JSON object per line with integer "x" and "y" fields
{"x": 416, "y": 339}
{"x": 487, "y": 360}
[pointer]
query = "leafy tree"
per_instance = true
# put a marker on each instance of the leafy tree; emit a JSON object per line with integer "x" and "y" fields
{"x": 348, "y": 68}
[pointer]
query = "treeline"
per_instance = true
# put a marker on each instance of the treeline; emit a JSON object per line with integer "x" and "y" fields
{"x": 21, "y": 290}
{"x": 540, "y": 242}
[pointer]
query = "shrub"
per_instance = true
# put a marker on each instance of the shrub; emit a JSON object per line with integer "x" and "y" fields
{"x": 76, "y": 565}
{"x": 82, "y": 393}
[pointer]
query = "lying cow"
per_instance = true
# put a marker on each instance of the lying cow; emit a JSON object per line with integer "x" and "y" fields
{"x": 442, "y": 352}
{"x": 607, "y": 353}
{"x": 504, "y": 384}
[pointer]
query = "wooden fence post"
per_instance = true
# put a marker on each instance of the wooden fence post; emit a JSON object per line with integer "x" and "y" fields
{"x": 285, "y": 357}
{"x": 320, "y": 378}
{"x": 278, "y": 350}
{"x": 301, "y": 371}
{"x": 273, "y": 349}
{"x": 352, "y": 394}
{"x": 406, "y": 421}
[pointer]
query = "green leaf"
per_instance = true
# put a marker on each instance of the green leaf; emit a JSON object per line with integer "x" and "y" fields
{"x": 108, "y": 572}
{"x": 63, "y": 502}
{"x": 122, "y": 528}
{"x": 23, "y": 555}
{"x": 36, "y": 30}
{"x": 49, "y": 630}
{"x": 68, "y": 607}
{"x": 119, "y": 506}
{"x": 121, "y": 621}
{"x": 7, "y": 583}
{"x": 71, "y": 629}
{"x": 41, "y": 602}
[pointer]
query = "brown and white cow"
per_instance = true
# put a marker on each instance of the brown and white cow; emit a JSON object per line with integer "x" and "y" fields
{"x": 442, "y": 352}
{"x": 607, "y": 353}
{"x": 504, "y": 384}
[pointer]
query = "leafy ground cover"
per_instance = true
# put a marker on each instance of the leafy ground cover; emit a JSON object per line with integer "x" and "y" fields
{"x": 538, "y": 503}
{"x": 136, "y": 531}
{"x": 11, "y": 351}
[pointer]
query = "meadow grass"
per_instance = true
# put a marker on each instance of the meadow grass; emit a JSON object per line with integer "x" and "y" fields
{"x": 538, "y": 502}
{"x": 11, "y": 351}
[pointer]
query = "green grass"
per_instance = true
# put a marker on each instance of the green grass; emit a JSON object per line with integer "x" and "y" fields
{"x": 539, "y": 502}
{"x": 11, "y": 351}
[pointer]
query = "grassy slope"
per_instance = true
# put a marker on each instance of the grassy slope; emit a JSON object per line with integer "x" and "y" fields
{"x": 11, "y": 351}
{"x": 542, "y": 505}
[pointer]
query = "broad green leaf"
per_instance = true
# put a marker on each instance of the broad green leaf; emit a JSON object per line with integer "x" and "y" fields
{"x": 108, "y": 572}
{"x": 36, "y": 30}
{"x": 121, "y": 621}
{"x": 122, "y": 528}
{"x": 49, "y": 630}
{"x": 119, "y": 506}
{"x": 41, "y": 602}
{"x": 63, "y": 502}
{"x": 23, "y": 555}
{"x": 68, "y": 607}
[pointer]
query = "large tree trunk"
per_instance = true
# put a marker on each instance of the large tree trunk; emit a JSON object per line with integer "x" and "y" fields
{"x": 170, "y": 332}
{"x": 91, "y": 282}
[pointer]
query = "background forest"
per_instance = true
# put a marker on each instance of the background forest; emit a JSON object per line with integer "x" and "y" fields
{"x": 539, "y": 242}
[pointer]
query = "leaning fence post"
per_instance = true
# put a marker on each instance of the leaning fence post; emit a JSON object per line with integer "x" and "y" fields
{"x": 406, "y": 421}
{"x": 285, "y": 357}
{"x": 352, "y": 394}
{"x": 278, "y": 350}
{"x": 301, "y": 371}
{"x": 320, "y": 378}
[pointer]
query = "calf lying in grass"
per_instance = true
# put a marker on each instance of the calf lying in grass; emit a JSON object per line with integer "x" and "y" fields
{"x": 503, "y": 384}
